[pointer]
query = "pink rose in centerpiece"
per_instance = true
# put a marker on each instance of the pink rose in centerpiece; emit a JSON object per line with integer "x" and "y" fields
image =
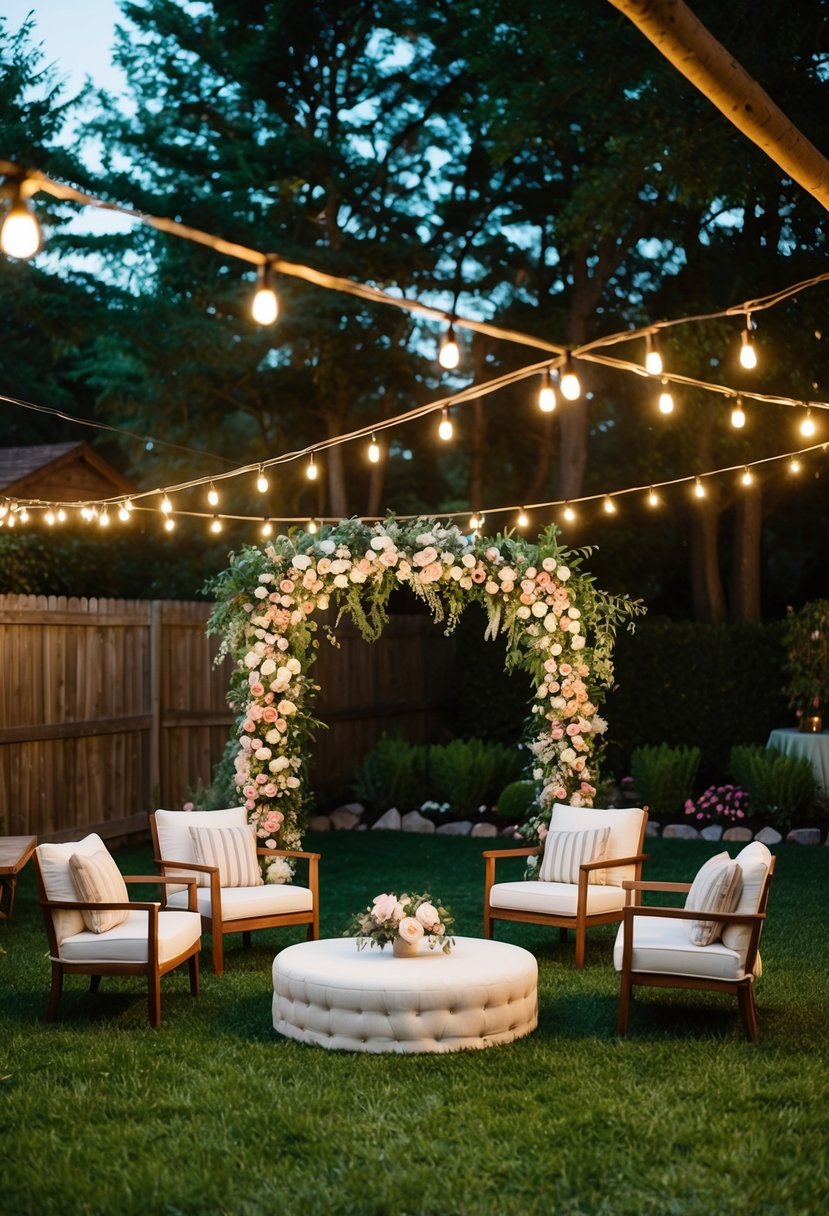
{"x": 410, "y": 929}
{"x": 383, "y": 907}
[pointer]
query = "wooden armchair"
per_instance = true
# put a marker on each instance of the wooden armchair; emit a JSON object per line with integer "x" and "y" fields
{"x": 142, "y": 939}
{"x": 654, "y": 947}
{"x": 227, "y": 902}
{"x": 581, "y": 902}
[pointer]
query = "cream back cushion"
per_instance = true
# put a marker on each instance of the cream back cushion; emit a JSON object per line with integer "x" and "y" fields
{"x": 565, "y": 852}
{"x": 754, "y": 862}
{"x": 626, "y": 828}
{"x": 98, "y": 879}
{"x": 716, "y": 888}
{"x": 59, "y": 883}
{"x": 233, "y": 850}
{"x": 173, "y": 831}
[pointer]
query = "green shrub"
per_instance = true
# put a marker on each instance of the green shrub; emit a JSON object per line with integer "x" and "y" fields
{"x": 664, "y": 777}
{"x": 515, "y": 801}
{"x": 392, "y": 774}
{"x": 781, "y": 789}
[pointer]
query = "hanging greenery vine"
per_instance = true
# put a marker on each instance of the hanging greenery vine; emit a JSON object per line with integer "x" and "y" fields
{"x": 559, "y": 628}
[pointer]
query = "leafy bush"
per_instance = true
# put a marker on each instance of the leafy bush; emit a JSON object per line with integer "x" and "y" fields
{"x": 781, "y": 789}
{"x": 664, "y": 777}
{"x": 466, "y": 774}
{"x": 515, "y": 800}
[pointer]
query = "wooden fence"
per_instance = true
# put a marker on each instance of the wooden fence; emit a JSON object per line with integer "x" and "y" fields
{"x": 109, "y": 708}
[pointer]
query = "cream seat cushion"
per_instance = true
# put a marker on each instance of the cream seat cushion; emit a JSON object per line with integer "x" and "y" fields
{"x": 127, "y": 942}
{"x": 625, "y": 825}
{"x": 554, "y": 898}
{"x": 661, "y": 944}
{"x": 272, "y": 899}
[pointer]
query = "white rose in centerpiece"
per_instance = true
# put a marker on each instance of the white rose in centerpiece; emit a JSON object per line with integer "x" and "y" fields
{"x": 427, "y": 914}
{"x": 410, "y": 929}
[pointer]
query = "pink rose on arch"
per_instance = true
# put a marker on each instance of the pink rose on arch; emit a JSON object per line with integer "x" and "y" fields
{"x": 250, "y": 791}
{"x": 561, "y": 793}
{"x": 542, "y": 832}
{"x": 543, "y": 579}
{"x": 255, "y": 743}
{"x": 573, "y": 729}
{"x": 270, "y": 790}
{"x": 410, "y": 929}
{"x": 250, "y": 805}
{"x": 257, "y": 689}
{"x": 269, "y": 714}
{"x": 255, "y": 712}
{"x": 281, "y": 724}
{"x": 479, "y": 575}
{"x": 249, "y": 726}
{"x": 261, "y": 779}
{"x": 287, "y": 585}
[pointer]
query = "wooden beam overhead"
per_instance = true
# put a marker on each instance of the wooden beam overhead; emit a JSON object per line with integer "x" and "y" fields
{"x": 695, "y": 52}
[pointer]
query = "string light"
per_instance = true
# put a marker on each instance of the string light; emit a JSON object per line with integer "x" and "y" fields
{"x": 374, "y": 451}
{"x": 474, "y": 522}
{"x": 609, "y": 505}
{"x": 445, "y": 428}
{"x": 265, "y": 306}
{"x": 20, "y": 234}
{"x": 166, "y": 506}
{"x": 123, "y": 513}
{"x": 213, "y": 496}
{"x": 311, "y": 470}
{"x": 699, "y": 488}
{"x": 10, "y": 520}
{"x": 568, "y": 513}
{"x": 523, "y": 519}
{"x": 313, "y": 527}
{"x": 748, "y": 355}
{"x": 61, "y": 515}
{"x": 169, "y": 524}
{"x": 261, "y": 481}
{"x": 86, "y": 512}
{"x": 267, "y": 528}
{"x": 23, "y": 515}
{"x": 103, "y": 519}
{"x": 794, "y": 465}
{"x": 747, "y": 478}
{"x": 547, "y": 394}
{"x": 449, "y": 355}
{"x": 569, "y": 383}
{"x": 807, "y": 426}
{"x": 738, "y": 415}
{"x": 666, "y": 400}
{"x": 50, "y": 518}
{"x": 653, "y": 359}
{"x": 215, "y": 524}
{"x": 653, "y": 498}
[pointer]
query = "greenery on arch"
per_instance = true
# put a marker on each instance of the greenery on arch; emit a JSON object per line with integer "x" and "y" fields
{"x": 559, "y": 628}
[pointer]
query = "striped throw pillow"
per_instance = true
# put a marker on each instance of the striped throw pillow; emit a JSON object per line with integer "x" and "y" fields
{"x": 716, "y": 888}
{"x": 97, "y": 879}
{"x": 564, "y": 852}
{"x": 233, "y": 850}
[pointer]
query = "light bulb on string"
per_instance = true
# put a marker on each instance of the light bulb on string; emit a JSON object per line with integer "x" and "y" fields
{"x": 23, "y": 515}
{"x": 166, "y": 505}
{"x": 169, "y": 524}
{"x": 653, "y": 359}
{"x": 103, "y": 518}
{"x": 523, "y": 519}
{"x": 738, "y": 414}
{"x": 61, "y": 517}
{"x": 50, "y": 518}
{"x": 748, "y": 354}
{"x": 794, "y": 465}
{"x": 123, "y": 513}
{"x": 213, "y": 496}
{"x": 807, "y": 426}
{"x": 609, "y": 505}
{"x": 547, "y": 394}
{"x": 699, "y": 488}
{"x": 374, "y": 451}
{"x": 86, "y": 513}
{"x": 569, "y": 382}
{"x": 313, "y": 527}
{"x": 261, "y": 481}
{"x": 4, "y": 510}
{"x": 569, "y": 513}
{"x": 449, "y": 355}
{"x": 215, "y": 524}
{"x": 746, "y": 478}
{"x": 311, "y": 470}
{"x": 267, "y": 528}
{"x": 666, "y": 400}
{"x": 265, "y": 306}
{"x": 445, "y": 428}
{"x": 20, "y": 234}
{"x": 11, "y": 519}
{"x": 653, "y": 498}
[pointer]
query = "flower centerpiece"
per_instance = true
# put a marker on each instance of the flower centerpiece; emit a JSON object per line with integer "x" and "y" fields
{"x": 723, "y": 804}
{"x": 405, "y": 921}
{"x": 806, "y": 638}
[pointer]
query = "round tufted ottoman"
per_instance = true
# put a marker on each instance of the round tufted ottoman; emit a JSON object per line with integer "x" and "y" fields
{"x": 332, "y": 994}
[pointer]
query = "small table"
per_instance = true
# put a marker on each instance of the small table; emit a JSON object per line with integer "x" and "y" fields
{"x": 15, "y": 851}
{"x": 333, "y": 995}
{"x": 814, "y": 747}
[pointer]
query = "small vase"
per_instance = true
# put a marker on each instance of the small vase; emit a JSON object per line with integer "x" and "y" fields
{"x": 810, "y": 724}
{"x": 404, "y": 949}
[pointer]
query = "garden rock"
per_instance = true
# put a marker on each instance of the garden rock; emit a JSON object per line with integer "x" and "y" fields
{"x": 769, "y": 835}
{"x": 319, "y": 823}
{"x": 652, "y": 828}
{"x": 680, "y": 831}
{"x": 461, "y": 827}
{"x": 737, "y": 834}
{"x": 484, "y": 829}
{"x": 389, "y": 821}
{"x": 356, "y": 808}
{"x": 344, "y": 820}
{"x": 413, "y": 821}
{"x": 803, "y": 836}
{"x": 714, "y": 831}
{"x": 510, "y": 830}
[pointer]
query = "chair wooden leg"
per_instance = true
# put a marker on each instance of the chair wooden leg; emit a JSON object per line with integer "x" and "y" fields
{"x": 193, "y": 968}
{"x": 314, "y": 927}
{"x": 581, "y": 934}
{"x": 489, "y": 924}
{"x": 218, "y": 953}
{"x": 154, "y": 998}
{"x": 624, "y": 1003}
{"x": 94, "y": 983}
{"x": 55, "y": 993}
{"x": 748, "y": 1011}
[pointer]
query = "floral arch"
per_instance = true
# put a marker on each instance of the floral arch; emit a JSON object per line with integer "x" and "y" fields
{"x": 559, "y": 628}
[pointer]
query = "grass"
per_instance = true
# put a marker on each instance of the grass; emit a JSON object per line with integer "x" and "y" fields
{"x": 213, "y": 1113}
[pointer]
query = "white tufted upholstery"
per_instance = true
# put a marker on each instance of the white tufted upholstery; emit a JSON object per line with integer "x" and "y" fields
{"x": 328, "y": 993}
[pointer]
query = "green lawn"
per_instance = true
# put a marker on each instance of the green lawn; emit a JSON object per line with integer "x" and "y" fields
{"x": 213, "y": 1113}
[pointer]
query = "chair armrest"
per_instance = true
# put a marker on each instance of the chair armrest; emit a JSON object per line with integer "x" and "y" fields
{"x": 637, "y": 859}
{"x": 183, "y": 865}
{"x": 630, "y": 884}
{"x": 728, "y": 918}
{"x": 288, "y": 853}
{"x": 176, "y": 880}
{"x": 526, "y": 852}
